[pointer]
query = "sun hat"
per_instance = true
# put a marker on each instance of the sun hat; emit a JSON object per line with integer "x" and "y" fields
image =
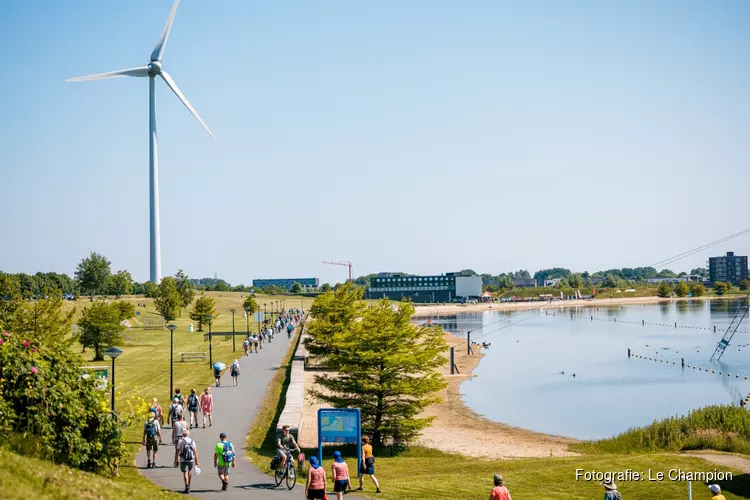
{"x": 498, "y": 479}
{"x": 715, "y": 488}
{"x": 609, "y": 485}
{"x": 176, "y": 400}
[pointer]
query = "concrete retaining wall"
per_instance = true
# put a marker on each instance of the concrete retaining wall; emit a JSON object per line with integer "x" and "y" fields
{"x": 291, "y": 415}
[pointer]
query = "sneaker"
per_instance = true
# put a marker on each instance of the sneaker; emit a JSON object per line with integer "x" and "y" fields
{"x": 359, "y": 489}
{"x": 148, "y": 465}
{"x": 377, "y": 491}
{"x": 224, "y": 486}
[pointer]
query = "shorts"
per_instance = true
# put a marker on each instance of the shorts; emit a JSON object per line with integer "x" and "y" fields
{"x": 340, "y": 485}
{"x": 223, "y": 469}
{"x": 186, "y": 466}
{"x": 316, "y": 494}
{"x": 152, "y": 444}
{"x": 368, "y": 469}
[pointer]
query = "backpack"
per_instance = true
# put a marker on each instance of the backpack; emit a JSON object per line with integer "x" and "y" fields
{"x": 151, "y": 429}
{"x": 176, "y": 411}
{"x": 235, "y": 370}
{"x": 228, "y": 454}
{"x": 188, "y": 450}
{"x": 193, "y": 402}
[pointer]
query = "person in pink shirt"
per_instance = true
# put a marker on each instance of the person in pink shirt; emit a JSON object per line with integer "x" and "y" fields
{"x": 340, "y": 472}
{"x": 316, "y": 481}
{"x": 207, "y": 407}
{"x": 499, "y": 492}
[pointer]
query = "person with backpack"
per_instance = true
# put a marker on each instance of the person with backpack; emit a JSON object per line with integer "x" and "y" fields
{"x": 246, "y": 345}
{"x": 224, "y": 459}
{"x": 217, "y": 374}
{"x": 175, "y": 410}
{"x": 178, "y": 395}
{"x": 192, "y": 404}
{"x": 179, "y": 426}
{"x": 610, "y": 490}
{"x": 256, "y": 341}
{"x": 207, "y": 407}
{"x": 156, "y": 408}
{"x": 188, "y": 453}
{"x": 151, "y": 439}
{"x": 235, "y": 372}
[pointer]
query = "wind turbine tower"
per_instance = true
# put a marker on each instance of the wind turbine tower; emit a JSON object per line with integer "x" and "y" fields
{"x": 152, "y": 70}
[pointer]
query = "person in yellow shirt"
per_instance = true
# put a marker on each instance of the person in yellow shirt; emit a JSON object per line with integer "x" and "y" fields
{"x": 368, "y": 465}
{"x": 716, "y": 492}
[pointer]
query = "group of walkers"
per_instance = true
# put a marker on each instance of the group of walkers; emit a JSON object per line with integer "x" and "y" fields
{"x": 315, "y": 488}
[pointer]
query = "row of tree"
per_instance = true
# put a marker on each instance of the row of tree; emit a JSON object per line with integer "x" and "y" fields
{"x": 683, "y": 289}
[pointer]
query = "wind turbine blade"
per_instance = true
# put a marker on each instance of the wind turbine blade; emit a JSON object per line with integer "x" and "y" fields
{"x": 162, "y": 43}
{"x": 172, "y": 85}
{"x": 142, "y": 71}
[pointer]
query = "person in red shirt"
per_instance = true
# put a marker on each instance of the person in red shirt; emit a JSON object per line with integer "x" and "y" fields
{"x": 499, "y": 492}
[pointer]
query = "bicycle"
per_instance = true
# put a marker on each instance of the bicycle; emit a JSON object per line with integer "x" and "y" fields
{"x": 289, "y": 471}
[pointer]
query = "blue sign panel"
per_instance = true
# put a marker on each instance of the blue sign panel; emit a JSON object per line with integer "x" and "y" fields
{"x": 340, "y": 426}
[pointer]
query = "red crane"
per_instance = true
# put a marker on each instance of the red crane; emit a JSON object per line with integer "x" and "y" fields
{"x": 347, "y": 264}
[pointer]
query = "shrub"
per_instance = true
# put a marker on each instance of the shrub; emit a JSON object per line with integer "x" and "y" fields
{"x": 681, "y": 289}
{"x": 720, "y": 288}
{"x": 664, "y": 289}
{"x": 698, "y": 290}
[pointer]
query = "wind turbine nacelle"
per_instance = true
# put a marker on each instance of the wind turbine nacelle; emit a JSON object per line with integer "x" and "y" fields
{"x": 154, "y": 68}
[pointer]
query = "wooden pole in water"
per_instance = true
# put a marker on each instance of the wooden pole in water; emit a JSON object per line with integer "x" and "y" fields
{"x": 452, "y": 358}
{"x": 468, "y": 343}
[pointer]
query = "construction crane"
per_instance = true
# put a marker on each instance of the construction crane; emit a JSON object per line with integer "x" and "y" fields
{"x": 733, "y": 326}
{"x": 347, "y": 264}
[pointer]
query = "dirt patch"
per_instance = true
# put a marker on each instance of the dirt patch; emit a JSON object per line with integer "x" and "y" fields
{"x": 736, "y": 462}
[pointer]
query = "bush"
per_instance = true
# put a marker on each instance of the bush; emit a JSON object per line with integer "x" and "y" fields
{"x": 664, "y": 290}
{"x": 126, "y": 310}
{"x": 722, "y": 428}
{"x": 61, "y": 416}
{"x": 720, "y": 288}
{"x": 681, "y": 289}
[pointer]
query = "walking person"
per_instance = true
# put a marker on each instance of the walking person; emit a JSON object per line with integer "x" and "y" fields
{"x": 315, "y": 488}
{"x": 256, "y": 341}
{"x": 224, "y": 459}
{"x": 175, "y": 410}
{"x": 611, "y": 492}
{"x": 179, "y": 426}
{"x": 151, "y": 439}
{"x": 340, "y": 474}
{"x": 246, "y": 345}
{"x": 235, "y": 372}
{"x": 178, "y": 395}
{"x": 207, "y": 407}
{"x": 499, "y": 492}
{"x": 188, "y": 453}
{"x": 156, "y": 408}
{"x": 192, "y": 405}
{"x": 715, "y": 490}
{"x": 217, "y": 374}
{"x": 368, "y": 465}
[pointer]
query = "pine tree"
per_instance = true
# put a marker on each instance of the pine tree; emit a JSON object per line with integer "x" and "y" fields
{"x": 335, "y": 312}
{"x": 204, "y": 307}
{"x": 385, "y": 365}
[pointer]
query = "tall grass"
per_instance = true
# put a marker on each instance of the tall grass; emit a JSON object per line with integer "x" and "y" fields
{"x": 722, "y": 428}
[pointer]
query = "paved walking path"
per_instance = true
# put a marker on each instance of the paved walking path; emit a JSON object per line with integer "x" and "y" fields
{"x": 235, "y": 409}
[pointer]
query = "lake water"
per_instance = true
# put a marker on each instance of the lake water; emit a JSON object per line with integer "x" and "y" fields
{"x": 520, "y": 382}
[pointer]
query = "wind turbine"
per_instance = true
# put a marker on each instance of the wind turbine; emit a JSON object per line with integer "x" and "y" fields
{"x": 152, "y": 70}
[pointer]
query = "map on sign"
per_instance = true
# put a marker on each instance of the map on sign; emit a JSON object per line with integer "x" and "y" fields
{"x": 338, "y": 426}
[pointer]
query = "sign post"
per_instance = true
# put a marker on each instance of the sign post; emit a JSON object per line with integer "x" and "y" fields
{"x": 340, "y": 426}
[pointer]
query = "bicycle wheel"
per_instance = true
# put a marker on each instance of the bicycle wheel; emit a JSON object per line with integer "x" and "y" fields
{"x": 279, "y": 476}
{"x": 291, "y": 477}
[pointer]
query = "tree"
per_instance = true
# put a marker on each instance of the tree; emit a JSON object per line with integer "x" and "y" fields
{"x": 575, "y": 280}
{"x": 168, "y": 300}
{"x": 43, "y": 320}
{"x": 203, "y": 308}
{"x": 745, "y": 284}
{"x": 92, "y": 274}
{"x": 295, "y": 288}
{"x": 125, "y": 310}
{"x": 681, "y": 289}
{"x": 611, "y": 281}
{"x": 185, "y": 288}
{"x": 100, "y": 328}
{"x": 325, "y": 287}
{"x": 698, "y": 290}
{"x": 250, "y": 305}
{"x": 664, "y": 290}
{"x": 507, "y": 282}
{"x": 334, "y": 312}
{"x": 10, "y": 298}
{"x": 700, "y": 271}
{"x": 385, "y": 365}
{"x": 120, "y": 283}
{"x": 720, "y": 288}
{"x": 150, "y": 290}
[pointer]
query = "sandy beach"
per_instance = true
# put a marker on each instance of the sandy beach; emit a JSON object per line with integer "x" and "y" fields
{"x": 457, "y": 429}
{"x": 432, "y": 310}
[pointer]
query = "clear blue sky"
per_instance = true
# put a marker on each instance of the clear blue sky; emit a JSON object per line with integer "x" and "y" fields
{"x": 418, "y": 136}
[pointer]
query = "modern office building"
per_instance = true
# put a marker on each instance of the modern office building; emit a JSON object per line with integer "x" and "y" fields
{"x": 286, "y": 282}
{"x": 729, "y": 268}
{"x": 440, "y": 288}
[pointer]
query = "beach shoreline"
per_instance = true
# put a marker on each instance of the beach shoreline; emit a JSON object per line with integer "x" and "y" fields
{"x": 422, "y": 311}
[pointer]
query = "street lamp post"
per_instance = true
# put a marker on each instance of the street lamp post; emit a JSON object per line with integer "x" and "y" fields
{"x": 210, "y": 342}
{"x": 234, "y": 348}
{"x": 171, "y": 329}
{"x": 113, "y": 352}
{"x": 247, "y": 318}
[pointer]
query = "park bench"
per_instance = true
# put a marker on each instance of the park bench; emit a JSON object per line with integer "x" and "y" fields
{"x": 192, "y": 355}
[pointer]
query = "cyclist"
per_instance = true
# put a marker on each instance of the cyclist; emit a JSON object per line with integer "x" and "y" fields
{"x": 285, "y": 444}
